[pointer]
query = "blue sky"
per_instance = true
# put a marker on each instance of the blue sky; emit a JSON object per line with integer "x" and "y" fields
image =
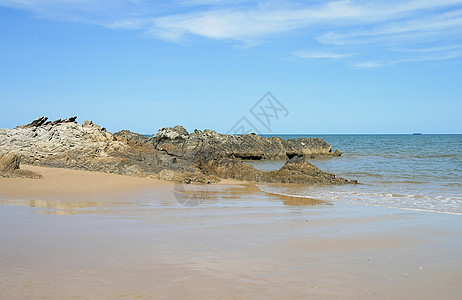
{"x": 337, "y": 66}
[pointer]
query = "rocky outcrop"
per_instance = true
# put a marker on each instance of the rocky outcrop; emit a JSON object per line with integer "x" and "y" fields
{"x": 172, "y": 154}
{"x": 209, "y": 144}
{"x": 10, "y": 167}
{"x": 66, "y": 144}
{"x": 295, "y": 170}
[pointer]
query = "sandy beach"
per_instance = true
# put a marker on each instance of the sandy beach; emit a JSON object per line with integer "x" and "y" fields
{"x": 88, "y": 235}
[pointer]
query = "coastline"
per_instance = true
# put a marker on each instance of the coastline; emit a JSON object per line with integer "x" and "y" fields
{"x": 126, "y": 237}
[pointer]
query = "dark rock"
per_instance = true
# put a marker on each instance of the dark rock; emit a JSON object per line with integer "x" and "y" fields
{"x": 36, "y": 123}
{"x": 42, "y": 121}
{"x": 296, "y": 170}
{"x": 173, "y": 153}
{"x": 70, "y": 120}
{"x": 212, "y": 145}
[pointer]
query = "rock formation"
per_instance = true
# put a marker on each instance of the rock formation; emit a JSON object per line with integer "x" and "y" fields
{"x": 171, "y": 154}
{"x": 212, "y": 145}
{"x": 10, "y": 167}
{"x": 295, "y": 170}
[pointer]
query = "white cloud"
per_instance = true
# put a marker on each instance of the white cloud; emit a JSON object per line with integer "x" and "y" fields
{"x": 329, "y": 55}
{"x": 239, "y": 20}
{"x": 414, "y": 28}
{"x": 371, "y": 64}
{"x": 242, "y": 24}
{"x": 343, "y": 24}
{"x": 432, "y": 49}
{"x": 418, "y": 58}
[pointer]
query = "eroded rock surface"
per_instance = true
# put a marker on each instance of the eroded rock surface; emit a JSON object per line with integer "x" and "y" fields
{"x": 295, "y": 170}
{"x": 209, "y": 144}
{"x": 10, "y": 167}
{"x": 172, "y": 154}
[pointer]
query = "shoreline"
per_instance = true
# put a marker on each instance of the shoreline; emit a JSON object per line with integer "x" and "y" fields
{"x": 63, "y": 183}
{"x": 138, "y": 239}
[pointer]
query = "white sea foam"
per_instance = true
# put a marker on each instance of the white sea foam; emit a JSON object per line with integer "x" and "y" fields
{"x": 399, "y": 171}
{"x": 451, "y": 204}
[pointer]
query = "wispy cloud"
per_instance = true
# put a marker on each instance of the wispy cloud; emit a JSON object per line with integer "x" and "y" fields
{"x": 261, "y": 21}
{"x": 342, "y": 26}
{"x": 431, "y": 25}
{"x": 432, "y": 49}
{"x": 420, "y": 58}
{"x": 309, "y": 54}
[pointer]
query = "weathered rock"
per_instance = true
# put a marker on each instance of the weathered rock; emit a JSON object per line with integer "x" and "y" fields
{"x": 132, "y": 139}
{"x": 10, "y": 164}
{"x": 90, "y": 147}
{"x": 128, "y": 136}
{"x": 296, "y": 170}
{"x": 171, "y": 154}
{"x": 66, "y": 144}
{"x": 212, "y": 145}
{"x": 170, "y": 149}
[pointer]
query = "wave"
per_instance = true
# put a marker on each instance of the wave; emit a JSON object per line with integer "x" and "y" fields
{"x": 447, "y": 204}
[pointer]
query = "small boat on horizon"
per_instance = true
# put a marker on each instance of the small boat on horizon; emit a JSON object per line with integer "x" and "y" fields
{"x": 417, "y": 133}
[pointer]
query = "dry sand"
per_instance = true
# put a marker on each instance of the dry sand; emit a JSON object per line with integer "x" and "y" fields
{"x": 66, "y": 182}
{"x": 90, "y": 235}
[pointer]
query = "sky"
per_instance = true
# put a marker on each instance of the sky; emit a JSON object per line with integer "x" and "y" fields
{"x": 330, "y": 66}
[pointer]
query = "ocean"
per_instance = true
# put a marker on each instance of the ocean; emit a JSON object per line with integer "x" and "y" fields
{"x": 413, "y": 172}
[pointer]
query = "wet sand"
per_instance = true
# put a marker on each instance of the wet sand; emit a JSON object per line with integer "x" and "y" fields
{"x": 91, "y": 235}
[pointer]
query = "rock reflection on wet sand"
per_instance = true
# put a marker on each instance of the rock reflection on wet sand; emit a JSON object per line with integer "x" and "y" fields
{"x": 192, "y": 195}
{"x": 187, "y": 195}
{"x": 238, "y": 243}
{"x": 62, "y": 207}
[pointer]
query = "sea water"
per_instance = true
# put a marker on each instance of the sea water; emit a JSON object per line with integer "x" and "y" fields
{"x": 417, "y": 172}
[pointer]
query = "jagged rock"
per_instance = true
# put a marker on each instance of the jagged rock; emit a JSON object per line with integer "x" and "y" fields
{"x": 10, "y": 164}
{"x": 296, "y": 170}
{"x": 37, "y": 122}
{"x": 42, "y": 121}
{"x": 212, "y": 145}
{"x": 172, "y": 154}
{"x": 71, "y": 119}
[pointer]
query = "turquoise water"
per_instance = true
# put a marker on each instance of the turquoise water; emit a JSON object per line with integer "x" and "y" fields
{"x": 420, "y": 172}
